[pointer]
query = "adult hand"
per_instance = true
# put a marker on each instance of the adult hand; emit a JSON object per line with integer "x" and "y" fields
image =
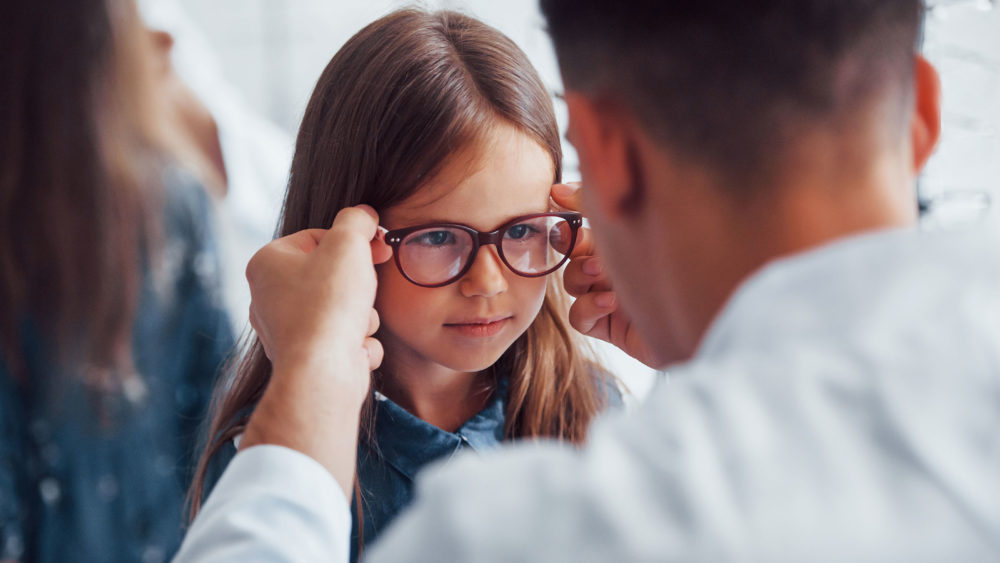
{"x": 596, "y": 311}
{"x": 312, "y": 297}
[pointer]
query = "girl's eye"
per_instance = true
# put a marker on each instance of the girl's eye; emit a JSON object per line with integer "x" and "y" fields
{"x": 521, "y": 232}
{"x": 433, "y": 238}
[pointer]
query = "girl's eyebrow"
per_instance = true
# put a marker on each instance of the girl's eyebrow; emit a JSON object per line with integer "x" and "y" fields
{"x": 433, "y": 220}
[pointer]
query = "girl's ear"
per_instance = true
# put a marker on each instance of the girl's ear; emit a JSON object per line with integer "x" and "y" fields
{"x": 601, "y": 137}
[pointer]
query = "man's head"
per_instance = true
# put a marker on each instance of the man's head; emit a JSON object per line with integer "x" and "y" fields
{"x": 716, "y": 136}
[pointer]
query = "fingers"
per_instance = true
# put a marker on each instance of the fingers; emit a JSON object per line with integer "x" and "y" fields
{"x": 371, "y": 345}
{"x": 375, "y": 353}
{"x": 299, "y": 243}
{"x": 584, "y": 244}
{"x": 305, "y": 240}
{"x": 589, "y": 314}
{"x": 360, "y": 220}
{"x": 585, "y": 275}
{"x": 560, "y": 237}
{"x": 254, "y": 323}
{"x": 567, "y": 196}
{"x": 381, "y": 252}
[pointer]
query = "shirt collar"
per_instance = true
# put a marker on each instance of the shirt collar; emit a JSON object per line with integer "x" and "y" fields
{"x": 408, "y": 443}
{"x": 821, "y": 294}
{"x": 784, "y": 293}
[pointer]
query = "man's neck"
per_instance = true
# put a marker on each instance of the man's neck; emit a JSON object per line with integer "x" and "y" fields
{"x": 830, "y": 203}
{"x": 713, "y": 241}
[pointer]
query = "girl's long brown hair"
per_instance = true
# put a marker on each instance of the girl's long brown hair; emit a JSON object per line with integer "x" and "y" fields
{"x": 404, "y": 94}
{"x": 76, "y": 200}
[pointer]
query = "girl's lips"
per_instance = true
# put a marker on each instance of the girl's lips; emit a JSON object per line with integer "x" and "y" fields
{"x": 479, "y": 329}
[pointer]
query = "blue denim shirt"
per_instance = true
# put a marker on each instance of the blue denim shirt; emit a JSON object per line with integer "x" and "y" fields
{"x": 405, "y": 444}
{"x": 79, "y": 482}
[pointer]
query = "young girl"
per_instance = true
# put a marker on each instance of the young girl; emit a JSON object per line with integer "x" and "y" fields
{"x": 441, "y": 124}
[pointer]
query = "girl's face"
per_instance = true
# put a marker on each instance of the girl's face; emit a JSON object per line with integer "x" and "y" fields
{"x": 467, "y": 325}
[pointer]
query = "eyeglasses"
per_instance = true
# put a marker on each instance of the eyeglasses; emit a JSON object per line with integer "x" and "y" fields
{"x": 439, "y": 254}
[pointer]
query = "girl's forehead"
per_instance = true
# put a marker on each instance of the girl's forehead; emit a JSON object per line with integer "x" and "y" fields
{"x": 511, "y": 176}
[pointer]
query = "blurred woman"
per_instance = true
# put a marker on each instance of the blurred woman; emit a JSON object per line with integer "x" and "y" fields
{"x": 110, "y": 327}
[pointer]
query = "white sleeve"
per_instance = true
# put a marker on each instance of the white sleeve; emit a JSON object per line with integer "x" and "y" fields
{"x": 272, "y": 504}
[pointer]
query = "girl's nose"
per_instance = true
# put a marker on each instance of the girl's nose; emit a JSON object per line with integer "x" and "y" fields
{"x": 487, "y": 276}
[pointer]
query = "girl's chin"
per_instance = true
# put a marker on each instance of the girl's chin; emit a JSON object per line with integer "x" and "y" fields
{"x": 472, "y": 365}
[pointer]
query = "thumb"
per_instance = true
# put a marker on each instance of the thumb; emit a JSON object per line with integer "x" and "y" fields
{"x": 351, "y": 221}
{"x": 567, "y": 196}
{"x": 381, "y": 252}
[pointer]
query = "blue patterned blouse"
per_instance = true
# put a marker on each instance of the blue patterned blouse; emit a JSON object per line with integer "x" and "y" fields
{"x": 86, "y": 482}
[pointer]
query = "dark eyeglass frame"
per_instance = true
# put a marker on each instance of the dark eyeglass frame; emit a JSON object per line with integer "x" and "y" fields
{"x": 395, "y": 237}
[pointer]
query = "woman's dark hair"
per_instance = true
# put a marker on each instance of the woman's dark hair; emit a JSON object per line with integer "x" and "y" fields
{"x": 75, "y": 195}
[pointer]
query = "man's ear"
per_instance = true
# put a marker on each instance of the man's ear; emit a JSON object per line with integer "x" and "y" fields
{"x": 925, "y": 124}
{"x": 600, "y": 135}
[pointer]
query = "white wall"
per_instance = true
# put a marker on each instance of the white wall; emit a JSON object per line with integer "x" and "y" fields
{"x": 273, "y": 51}
{"x": 963, "y": 40}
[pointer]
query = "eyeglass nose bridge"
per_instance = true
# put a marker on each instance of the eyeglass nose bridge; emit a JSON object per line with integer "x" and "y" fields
{"x": 492, "y": 237}
{"x": 481, "y": 239}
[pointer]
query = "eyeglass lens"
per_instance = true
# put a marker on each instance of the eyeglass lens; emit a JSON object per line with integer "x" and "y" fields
{"x": 531, "y": 247}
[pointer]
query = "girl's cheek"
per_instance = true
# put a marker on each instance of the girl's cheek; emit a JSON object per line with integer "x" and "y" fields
{"x": 388, "y": 287}
{"x": 536, "y": 296}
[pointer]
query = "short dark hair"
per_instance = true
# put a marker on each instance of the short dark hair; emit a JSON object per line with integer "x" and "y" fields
{"x": 729, "y": 83}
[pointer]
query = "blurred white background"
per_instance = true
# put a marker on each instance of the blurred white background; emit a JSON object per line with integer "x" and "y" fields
{"x": 265, "y": 56}
{"x": 273, "y": 51}
{"x": 962, "y": 38}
